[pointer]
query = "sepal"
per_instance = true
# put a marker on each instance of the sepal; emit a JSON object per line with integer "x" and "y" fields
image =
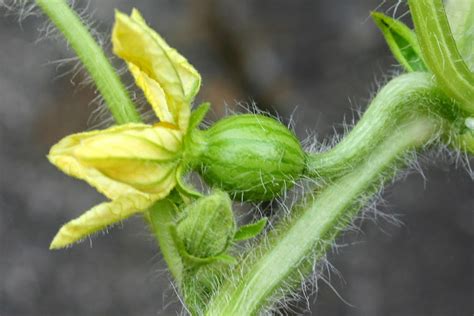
{"x": 198, "y": 115}
{"x": 251, "y": 230}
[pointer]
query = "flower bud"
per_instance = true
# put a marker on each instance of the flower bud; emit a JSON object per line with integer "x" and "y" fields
{"x": 122, "y": 159}
{"x": 208, "y": 227}
{"x": 253, "y": 157}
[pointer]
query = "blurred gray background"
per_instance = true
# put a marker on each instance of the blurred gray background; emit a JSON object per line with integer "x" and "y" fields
{"x": 323, "y": 58}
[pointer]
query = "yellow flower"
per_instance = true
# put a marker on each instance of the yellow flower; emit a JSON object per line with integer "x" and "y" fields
{"x": 134, "y": 165}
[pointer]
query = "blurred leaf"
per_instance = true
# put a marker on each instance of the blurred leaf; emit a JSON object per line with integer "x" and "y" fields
{"x": 401, "y": 41}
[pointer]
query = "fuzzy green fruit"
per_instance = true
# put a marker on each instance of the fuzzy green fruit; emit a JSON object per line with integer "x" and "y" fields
{"x": 253, "y": 157}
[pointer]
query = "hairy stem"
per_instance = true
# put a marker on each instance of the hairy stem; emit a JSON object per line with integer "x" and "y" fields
{"x": 284, "y": 258}
{"x": 404, "y": 97}
{"x": 92, "y": 56}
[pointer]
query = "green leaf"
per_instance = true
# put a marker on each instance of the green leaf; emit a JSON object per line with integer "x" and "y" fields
{"x": 251, "y": 230}
{"x": 440, "y": 53}
{"x": 198, "y": 115}
{"x": 401, "y": 41}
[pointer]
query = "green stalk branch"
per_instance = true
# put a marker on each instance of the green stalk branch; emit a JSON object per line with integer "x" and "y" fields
{"x": 92, "y": 56}
{"x": 284, "y": 258}
{"x": 404, "y": 97}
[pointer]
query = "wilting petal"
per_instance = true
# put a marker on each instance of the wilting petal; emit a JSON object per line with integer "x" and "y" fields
{"x": 155, "y": 65}
{"x": 99, "y": 217}
{"x": 122, "y": 160}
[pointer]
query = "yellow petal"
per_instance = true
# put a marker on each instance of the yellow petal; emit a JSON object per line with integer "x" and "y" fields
{"x": 99, "y": 217}
{"x": 153, "y": 93}
{"x": 122, "y": 160}
{"x": 168, "y": 80}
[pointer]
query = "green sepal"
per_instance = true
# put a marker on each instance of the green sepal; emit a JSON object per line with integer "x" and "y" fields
{"x": 186, "y": 190}
{"x": 198, "y": 115}
{"x": 249, "y": 231}
{"x": 402, "y": 42}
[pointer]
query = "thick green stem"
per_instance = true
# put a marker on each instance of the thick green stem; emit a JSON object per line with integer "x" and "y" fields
{"x": 404, "y": 97}
{"x": 282, "y": 259}
{"x": 92, "y": 56}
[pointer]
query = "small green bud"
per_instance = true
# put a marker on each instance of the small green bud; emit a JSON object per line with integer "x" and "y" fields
{"x": 253, "y": 157}
{"x": 208, "y": 226}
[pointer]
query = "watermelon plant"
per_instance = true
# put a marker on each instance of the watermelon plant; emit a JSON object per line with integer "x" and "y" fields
{"x": 219, "y": 267}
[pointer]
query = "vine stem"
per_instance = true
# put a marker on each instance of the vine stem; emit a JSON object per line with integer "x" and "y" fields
{"x": 92, "y": 56}
{"x": 284, "y": 258}
{"x": 405, "y": 96}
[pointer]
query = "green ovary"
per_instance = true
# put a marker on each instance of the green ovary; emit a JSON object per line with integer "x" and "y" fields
{"x": 253, "y": 157}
